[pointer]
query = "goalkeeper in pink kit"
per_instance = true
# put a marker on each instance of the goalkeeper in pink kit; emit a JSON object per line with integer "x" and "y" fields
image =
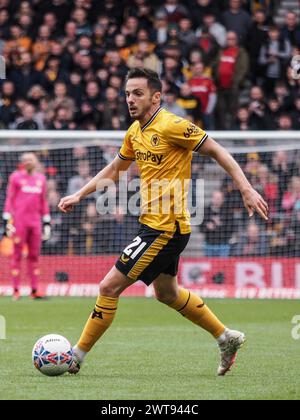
{"x": 25, "y": 209}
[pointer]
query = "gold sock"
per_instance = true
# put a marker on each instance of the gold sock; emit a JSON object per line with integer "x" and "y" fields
{"x": 193, "y": 308}
{"x": 99, "y": 321}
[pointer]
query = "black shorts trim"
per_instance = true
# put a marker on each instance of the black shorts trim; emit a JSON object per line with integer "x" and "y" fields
{"x": 151, "y": 253}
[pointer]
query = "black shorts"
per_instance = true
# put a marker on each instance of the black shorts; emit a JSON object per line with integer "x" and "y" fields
{"x": 151, "y": 253}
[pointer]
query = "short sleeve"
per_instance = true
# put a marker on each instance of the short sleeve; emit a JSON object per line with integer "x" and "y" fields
{"x": 126, "y": 152}
{"x": 185, "y": 134}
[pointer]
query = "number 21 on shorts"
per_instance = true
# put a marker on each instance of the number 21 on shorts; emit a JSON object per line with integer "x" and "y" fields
{"x": 135, "y": 248}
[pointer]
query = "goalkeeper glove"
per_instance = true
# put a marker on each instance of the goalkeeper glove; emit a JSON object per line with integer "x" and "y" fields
{"x": 8, "y": 228}
{"x": 46, "y": 228}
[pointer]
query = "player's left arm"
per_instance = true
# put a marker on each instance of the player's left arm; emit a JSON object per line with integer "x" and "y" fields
{"x": 45, "y": 213}
{"x": 182, "y": 133}
{"x": 253, "y": 201}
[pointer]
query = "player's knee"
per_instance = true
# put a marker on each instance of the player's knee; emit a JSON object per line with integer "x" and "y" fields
{"x": 109, "y": 289}
{"x": 33, "y": 255}
{"x": 33, "y": 259}
{"x": 17, "y": 259}
{"x": 106, "y": 289}
{"x": 166, "y": 297}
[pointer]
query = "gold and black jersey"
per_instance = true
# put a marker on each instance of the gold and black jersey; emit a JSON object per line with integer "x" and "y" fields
{"x": 162, "y": 149}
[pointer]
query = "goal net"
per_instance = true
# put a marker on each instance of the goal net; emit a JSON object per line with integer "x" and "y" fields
{"x": 228, "y": 254}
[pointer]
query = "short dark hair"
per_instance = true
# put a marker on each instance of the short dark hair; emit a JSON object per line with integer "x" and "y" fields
{"x": 152, "y": 77}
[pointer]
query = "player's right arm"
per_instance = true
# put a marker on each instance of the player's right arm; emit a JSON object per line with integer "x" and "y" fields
{"x": 111, "y": 172}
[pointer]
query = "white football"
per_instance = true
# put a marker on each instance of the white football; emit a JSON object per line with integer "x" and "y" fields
{"x": 52, "y": 355}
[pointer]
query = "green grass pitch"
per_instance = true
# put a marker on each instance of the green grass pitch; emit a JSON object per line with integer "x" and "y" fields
{"x": 151, "y": 352}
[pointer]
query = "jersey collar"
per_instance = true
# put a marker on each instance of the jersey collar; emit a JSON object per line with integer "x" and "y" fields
{"x": 151, "y": 119}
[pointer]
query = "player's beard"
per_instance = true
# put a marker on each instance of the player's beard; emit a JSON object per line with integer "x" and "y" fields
{"x": 134, "y": 113}
{"x": 141, "y": 113}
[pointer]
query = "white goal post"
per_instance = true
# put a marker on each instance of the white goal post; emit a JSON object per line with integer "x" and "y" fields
{"x": 235, "y": 259}
{"x": 36, "y": 139}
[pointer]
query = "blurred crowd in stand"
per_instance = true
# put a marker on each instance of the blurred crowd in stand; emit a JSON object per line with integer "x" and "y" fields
{"x": 224, "y": 65}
